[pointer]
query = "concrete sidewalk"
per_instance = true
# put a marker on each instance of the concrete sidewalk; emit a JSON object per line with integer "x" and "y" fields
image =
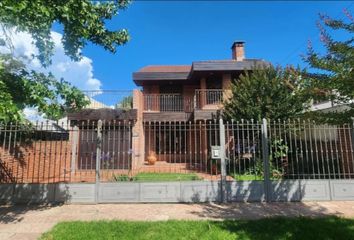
{"x": 29, "y": 222}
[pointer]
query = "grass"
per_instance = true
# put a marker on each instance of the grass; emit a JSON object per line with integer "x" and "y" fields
{"x": 264, "y": 229}
{"x": 158, "y": 177}
{"x": 246, "y": 177}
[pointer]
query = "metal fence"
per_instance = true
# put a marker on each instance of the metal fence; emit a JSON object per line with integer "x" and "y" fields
{"x": 52, "y": 152}
{"x": 183, "y": 147}
{"x": 89, "y": 152}
{"x": 295, "y": 149}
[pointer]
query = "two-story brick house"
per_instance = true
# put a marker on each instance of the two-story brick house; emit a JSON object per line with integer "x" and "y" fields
{"x": 173, "y": 96}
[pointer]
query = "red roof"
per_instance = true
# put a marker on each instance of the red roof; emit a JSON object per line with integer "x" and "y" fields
{"x": 172, "y": 68}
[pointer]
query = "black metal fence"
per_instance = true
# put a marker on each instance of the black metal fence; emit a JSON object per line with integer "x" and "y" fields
{"x": 88, "y": 151}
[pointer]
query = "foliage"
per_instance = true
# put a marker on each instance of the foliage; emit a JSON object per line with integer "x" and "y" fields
{"x": 20, "y": 88}
{"x": 269, "y": 92}
{"x": 255, "y": 169}
{"x": 126, "y": 103}
{"x": 328, "y": 228}
{"x": 157, "y": 177}
{"x": 279, "y": 149}
{"x": 82, "y": 21}
{"x": 121, "y": 178}
{"x": 334, "y": 75}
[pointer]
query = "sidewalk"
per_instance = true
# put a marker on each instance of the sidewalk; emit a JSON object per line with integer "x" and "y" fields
{"x": 29, "y": 222}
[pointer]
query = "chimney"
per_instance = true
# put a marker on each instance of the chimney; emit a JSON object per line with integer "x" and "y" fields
{"x": 238, "y": 50}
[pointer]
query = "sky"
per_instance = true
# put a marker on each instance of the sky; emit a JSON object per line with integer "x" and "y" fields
{"x": 180, "y": 32}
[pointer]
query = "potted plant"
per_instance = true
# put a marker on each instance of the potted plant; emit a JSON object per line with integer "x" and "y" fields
{"x": 152, "y": 158}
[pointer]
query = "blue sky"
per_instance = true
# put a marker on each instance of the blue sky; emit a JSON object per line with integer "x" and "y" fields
{"x": 165, "y": 32}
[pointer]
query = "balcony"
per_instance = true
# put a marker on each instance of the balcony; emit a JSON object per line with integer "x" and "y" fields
{"x": 208, "y": 99}
{"x": 167, "y": 103}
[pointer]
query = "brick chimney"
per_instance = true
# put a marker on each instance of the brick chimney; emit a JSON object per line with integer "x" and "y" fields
{"x": 238, "y": 51}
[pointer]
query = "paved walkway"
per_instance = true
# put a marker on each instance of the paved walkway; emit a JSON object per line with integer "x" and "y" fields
{"x": 28, "y": 222}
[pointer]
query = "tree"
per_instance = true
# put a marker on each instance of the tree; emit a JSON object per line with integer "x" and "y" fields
{"x": 333, "y": 78}
{"x": 82, "y": 20}
{"x": 272, "y": 93}
{"x": 20, "y": 88}
{"x": 125, "y": 103}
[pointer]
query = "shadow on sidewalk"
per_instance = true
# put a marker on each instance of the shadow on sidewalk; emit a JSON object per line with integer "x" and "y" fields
{"x": 15, "y": 213}
{"x": 264, "y": 210}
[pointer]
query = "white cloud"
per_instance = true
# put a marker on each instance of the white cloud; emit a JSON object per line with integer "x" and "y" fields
{"x": 80, "y": 73}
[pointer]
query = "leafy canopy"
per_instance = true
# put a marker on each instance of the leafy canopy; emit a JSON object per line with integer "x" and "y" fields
{"x": 20, "y": 88}
{"x": 270, "y": 92}
{"x": 334, "y": 76}
{"x": 82, "y": 20}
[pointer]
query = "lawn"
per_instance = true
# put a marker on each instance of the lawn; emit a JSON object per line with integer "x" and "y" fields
{"x": 158, "y": 177}
{"x": 264, "y": 229}
{"x": 246, "y": 177}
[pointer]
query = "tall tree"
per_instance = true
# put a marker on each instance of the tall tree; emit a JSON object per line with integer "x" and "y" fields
{"x": 82, "y": 20}
{"x": 333, "y": 75}
{"x": 272, "y": 93}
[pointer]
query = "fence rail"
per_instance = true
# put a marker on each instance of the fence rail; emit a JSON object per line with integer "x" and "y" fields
{"x": 63, "y": 152}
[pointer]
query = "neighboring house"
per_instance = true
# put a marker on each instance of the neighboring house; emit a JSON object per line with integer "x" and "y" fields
{"x": 329, "y": 106}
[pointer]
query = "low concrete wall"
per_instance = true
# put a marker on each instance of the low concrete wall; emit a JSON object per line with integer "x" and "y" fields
{"x": 196, "y": 191}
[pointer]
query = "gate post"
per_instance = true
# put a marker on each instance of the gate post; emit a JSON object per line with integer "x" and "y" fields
{"x": 265, "y": 156}
{"x": 223, "y": 162}
{"x": 98, "y": 157}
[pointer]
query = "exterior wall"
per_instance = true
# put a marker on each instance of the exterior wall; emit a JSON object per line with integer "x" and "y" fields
{"x": 226, "y": 86}
{"x": 202, "y": 97}
{"x": 38, "y": 161}
{"x": 138, "y": 140}
{"x": 152, "y": 91}
{"x": 188, "y": 95}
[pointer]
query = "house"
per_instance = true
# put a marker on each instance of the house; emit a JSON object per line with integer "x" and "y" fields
{"x": 189, "y": 92}
{"x": 172, "y": 97}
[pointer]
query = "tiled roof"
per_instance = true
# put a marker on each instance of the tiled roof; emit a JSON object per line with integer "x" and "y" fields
{"x": 166, "y": 68}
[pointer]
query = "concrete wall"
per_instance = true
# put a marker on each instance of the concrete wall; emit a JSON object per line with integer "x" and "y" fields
{"x": 196, "y": 191}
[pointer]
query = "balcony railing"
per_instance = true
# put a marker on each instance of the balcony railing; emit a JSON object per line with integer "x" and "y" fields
{"x": 208, "y": 98}
{"x": 167, "y": 103}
